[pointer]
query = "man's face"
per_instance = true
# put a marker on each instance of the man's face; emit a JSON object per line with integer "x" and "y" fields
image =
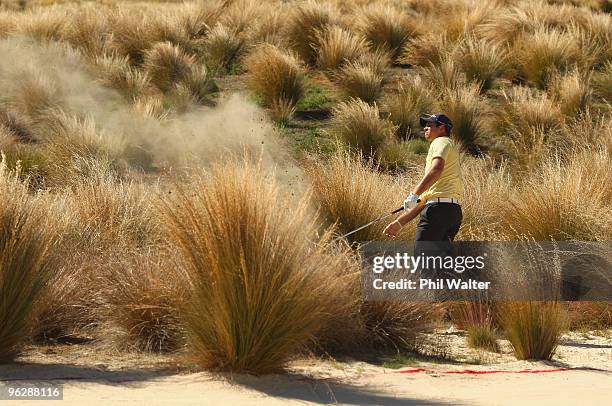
{"x": 433, "y": 130}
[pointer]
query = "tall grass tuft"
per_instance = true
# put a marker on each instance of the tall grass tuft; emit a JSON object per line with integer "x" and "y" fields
{"x": 387, "y": 28}
{"x": 261, "y": 288}
{"x": 533, "y": 328}
{"x": 351, "y": 192}
{"x": 306, "y": 20}
{"x": 166, "y": 65}
{"x": 564, "y": 200}
{"x": 539, "y": 55}
{"x": 411, "y": 99}
{"x": 359, "y": 126}
{"x": 360, "y": 80}
{"x": 27, "y": 240}
{"x": 276, "y": 76}
{"x": 468, "y": 111}
{"x": 338, "y": 46}
{"x": 426, "y": 49}
{"x": 223, "y": 47}
{"x": 572, "y": 93}
{"x": 478, "y": 318}
{"x": 142, "y": 301}
{"x": 602, "y": 83}
{"x": 482, "y": 62}
{"x": 116, "y": 72}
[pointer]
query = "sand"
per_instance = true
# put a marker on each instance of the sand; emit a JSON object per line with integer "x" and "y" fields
{"x": 107, "y": 378}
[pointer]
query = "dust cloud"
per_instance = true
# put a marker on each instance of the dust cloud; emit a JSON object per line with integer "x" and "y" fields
{"x": 197, "y": 138}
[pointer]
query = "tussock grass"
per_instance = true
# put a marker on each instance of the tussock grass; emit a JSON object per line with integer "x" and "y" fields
{"x": 572, "y": 92}
{"x": 116, "y": 72}
{"x": 166, "y": 64}
{"x": 359, "y": 126}
{"x": 46, "y": 26}
{"x": 142, "y": 302}
{"x": 564, "y": 201}
{"x": 359, "y": 80}
{"x": 338, "y": 46}
{"x": 305, "y": 21}
{"x": 478, "y": 318}
{"x": 446, "y": 75}
{"x": 223, "y": 47}
{"x": 273, "y": 289}
{"x": 539, "y": 55}
{"x": 533, "y": 328}
{"x": 27, "y": 240}
{"x": 482, "y": 62}
{"x": 428, "y": 48}
{"x": 468, "y": 111}
{"x": 74, "y": 148}
{"x": 484, "y": 202}
{"x": 602, "y": 83}
{"x": 387, "y": 28}
{"x": 351, "y": 192}
{"x": 412, "y": 99}
{"x": 277, "y": 76}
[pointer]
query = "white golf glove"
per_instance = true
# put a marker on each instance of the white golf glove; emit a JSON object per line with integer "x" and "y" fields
{"x": 411, "y": 201}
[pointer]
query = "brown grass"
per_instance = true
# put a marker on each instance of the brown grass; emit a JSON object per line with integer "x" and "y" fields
{"x": 359, "y": 126}
{"x": 28, "y": 238}
{"x": 273, "y": 289}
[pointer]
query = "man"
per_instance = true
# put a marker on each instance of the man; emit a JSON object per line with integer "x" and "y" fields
{"x": 437, "y": 196}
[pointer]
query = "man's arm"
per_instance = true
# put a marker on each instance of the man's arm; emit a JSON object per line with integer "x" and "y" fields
{"x": 394, "y": 227}
{"x": 432, "y": 175}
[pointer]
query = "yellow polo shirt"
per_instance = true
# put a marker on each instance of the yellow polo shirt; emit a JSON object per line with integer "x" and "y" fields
{"x": 450, "y": 183}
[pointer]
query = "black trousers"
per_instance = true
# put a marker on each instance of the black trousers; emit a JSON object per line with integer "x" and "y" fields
{"x": 439, "y": 222}
{"x": 438, "y": 225}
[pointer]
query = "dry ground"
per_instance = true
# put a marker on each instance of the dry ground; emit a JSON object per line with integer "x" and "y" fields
{"x": 94, "y": 375}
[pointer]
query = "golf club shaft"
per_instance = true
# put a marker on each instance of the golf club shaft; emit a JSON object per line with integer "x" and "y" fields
{"x": 384, "y": 216}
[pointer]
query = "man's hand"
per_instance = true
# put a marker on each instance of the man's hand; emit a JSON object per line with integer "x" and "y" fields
{"x": 411, "y": 201}
{"x": 392, "y": 229}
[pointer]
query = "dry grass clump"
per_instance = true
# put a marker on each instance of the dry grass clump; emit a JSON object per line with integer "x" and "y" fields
{"x": 26, "y": 245}
{"x": 117, "y": 73}
{"x": 359, "y": 126}
{"x": 166, "y": 64}
{"x": 338, "y": 46}
{"x": 397, "y": 324}
{"x": 484, "y": 201}
{"x": 589, "y": 315}
{"x": 602, "y": 83}
{"x": 276, "y": 76}
{"x": 351, "y": 192}
{"x": 75, "y": 149}
{"x": 478, "y": 318}
{"x": 261, "y": 288}
{"x": 142, "y": 302}
{"x": 533, "y": 328}
{"x": 223, "y": 47}
{"x": 387, "y": 28}
{"x": 445, "y": 76}
{"x": 49, "y": 25}
{"x": 482, "y": 61}
{"x": 524, "y": 109}
{"x": 539, "y": 55}
{"x": 132, "y": 34}
{"x": 564, "y": 201}
{"x": 412, "y": 99}
{"x": 572, "y": 93}
{"x": 430, "y": 48}
{"x": 360, "y": 80}
{"x": 91, "y": 33}
{"x": 306, "y": 20}
{"x": 468, "y": 111}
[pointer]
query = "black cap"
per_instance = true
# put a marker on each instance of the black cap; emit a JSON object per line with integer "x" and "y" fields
{"x": 436, "y": 118}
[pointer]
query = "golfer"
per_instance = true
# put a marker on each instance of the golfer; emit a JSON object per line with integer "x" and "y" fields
{"x": 437, "y": 196}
